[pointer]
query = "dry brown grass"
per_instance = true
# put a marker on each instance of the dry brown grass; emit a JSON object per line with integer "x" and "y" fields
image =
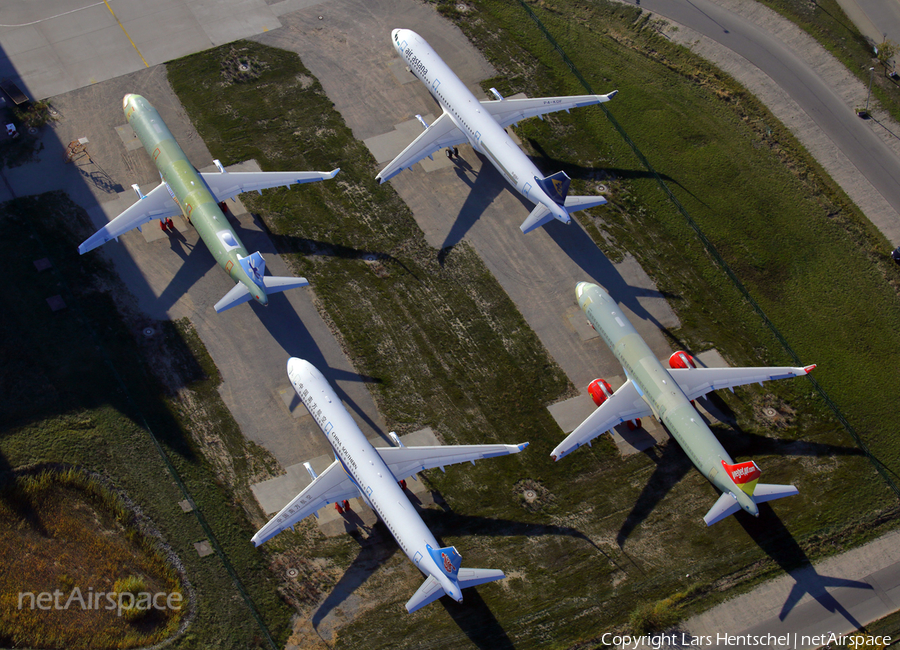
{"x": 62, "y": 531}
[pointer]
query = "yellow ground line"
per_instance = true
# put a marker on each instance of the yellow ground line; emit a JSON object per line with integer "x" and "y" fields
{"x": 126, "y": 33}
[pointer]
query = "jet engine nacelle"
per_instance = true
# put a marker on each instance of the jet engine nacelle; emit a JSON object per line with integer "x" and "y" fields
{"x": 681, "y": 359}
{"x": 600, "y": 391}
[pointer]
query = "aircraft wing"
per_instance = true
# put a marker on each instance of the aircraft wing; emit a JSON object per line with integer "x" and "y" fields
{"x": 332, "y": 485}
{"x": 406, "y": 461}
{"x": 625, "y": 404}
{"x": 158, "y": 204}
{"x": 511, "y": 111}
{"x": 227, "y": 185}
{"x": 442, "y": 133}
{"x": 697, "y": 382}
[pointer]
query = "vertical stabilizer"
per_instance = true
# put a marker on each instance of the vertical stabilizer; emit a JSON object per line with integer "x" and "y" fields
{"x": 448, "y": 559}
{"x": 556, "y": 186}
{"x": 744, "y": 475}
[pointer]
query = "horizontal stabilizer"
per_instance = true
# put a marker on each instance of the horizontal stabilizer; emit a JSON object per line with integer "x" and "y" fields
{"x": 769, "y": 492}
{"x": 538, "y": 217}
{"x": 475, "y": 577}
{"x": 431, "y": 589}
{"x": 276, "y": 285}
{"x": 726, "y": 505}
{"x": 238, "y": 295}
{"x": 429, "y": 592}
{"x": 541, "y": 215}
{"x": 576, "y": 203}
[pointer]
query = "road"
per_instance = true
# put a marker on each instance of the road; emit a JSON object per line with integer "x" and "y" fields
{"x": 858, "y": 147}
{"x": 839, "y": 594}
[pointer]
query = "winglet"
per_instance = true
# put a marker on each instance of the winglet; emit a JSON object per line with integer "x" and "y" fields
{"x": 522, "y": 446}
{"x": 809, "y": 368}
{"x": 609, "y": 96}
{"x": 333, "y": 173}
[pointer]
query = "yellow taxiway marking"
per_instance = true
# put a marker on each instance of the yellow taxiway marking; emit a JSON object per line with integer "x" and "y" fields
{"x": 126, "y": 33}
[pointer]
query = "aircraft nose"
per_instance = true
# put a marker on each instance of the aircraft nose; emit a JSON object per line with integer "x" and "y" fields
{"x": 579, "y": 289}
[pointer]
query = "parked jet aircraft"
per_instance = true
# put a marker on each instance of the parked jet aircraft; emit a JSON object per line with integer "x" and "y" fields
{"x": 481, "y": 124}
{"x": 184, "y": 190}
{"x": 372, "y": 473}
{"x": 651, "y": 389}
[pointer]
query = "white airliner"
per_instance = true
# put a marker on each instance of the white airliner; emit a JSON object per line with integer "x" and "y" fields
{"x": 482, "y": 124}
{"x": 373, "y": 472}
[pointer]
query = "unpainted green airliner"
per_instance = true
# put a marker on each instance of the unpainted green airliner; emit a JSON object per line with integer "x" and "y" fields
{"x": 666, "y": 393}
{"x": 196, "y": 196}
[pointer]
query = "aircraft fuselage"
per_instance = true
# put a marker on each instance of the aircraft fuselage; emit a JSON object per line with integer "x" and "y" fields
{"x": 482, "y": 131}
{"x": 659, "y": 390}
{"x": 187, "y": 187}
{"x": 366, "y": 469}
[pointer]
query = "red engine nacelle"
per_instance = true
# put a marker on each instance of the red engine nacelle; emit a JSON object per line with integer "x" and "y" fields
{"x": 681, "y": 359}
{"x": 600, "y": 391}
{"x": 634, "y": 425}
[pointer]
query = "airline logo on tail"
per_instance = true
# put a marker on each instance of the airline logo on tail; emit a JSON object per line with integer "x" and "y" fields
{"x": 447, "y": 558}
{"x": 745, "y": 475}
{"x": 556, "y": 186}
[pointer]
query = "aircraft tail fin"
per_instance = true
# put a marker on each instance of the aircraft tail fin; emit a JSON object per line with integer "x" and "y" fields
{"x": 541, "y": 213}
{"x": 556, "y": 186}
{"x": 431, "y": 589}
{"x": 745, "y": 475}
{"x": 728, "y": 504}
{"x": 240, "y": 294}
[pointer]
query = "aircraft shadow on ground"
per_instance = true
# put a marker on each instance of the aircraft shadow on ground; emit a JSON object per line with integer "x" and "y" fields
{"x": 769, "y": 532}
{"x": 672, "y": 465}
{"x": 575, "y": 242}
{"x": 287, "y": 328}
{"x": 473, "y": 616}
{"x": 484, "y": 187}
{"x": 196, "y": 261}
{"x": 571, "y": 238}
{"x": 99, "y": 177}
{"x": 550, "y": 165}
{"x": 279, "y": 318}
{"x": 375, "y": 550}
{"x": 17, "y": 501}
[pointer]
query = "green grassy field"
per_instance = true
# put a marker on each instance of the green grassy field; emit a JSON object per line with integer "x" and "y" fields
{"x": 76, "y": 387}
{"x": 450, "y": 351}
